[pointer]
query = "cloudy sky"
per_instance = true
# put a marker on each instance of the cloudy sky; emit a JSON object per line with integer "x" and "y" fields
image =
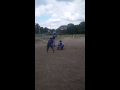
{"x": 54, "y": 13}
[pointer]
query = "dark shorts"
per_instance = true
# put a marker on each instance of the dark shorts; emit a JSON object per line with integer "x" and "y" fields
{"x": 60, "y": 47}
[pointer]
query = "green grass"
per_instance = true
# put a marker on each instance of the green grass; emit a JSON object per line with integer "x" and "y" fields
{"x": 38, "y": 37}
{"x": 81, "y": 35}
{"x": 78, "y": 35}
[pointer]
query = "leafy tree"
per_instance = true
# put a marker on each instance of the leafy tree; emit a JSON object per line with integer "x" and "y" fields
{"x": 37, "y": 27}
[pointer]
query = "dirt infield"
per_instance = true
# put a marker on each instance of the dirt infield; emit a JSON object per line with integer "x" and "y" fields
{"x": 62, "y": 70}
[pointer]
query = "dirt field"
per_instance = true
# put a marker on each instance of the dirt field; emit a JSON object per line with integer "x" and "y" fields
{"x": 62, "y": 70}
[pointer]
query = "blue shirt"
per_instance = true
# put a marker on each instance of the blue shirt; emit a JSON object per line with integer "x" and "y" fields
{"x": 53, "y": 40}
{"x": 50, "y": 41}
{"x": 60, "y": 44}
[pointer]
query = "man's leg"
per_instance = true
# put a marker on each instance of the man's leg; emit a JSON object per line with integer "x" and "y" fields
{"x": 62, "y": 46}
{"x": 53, "y": 42}
{"x": 47, "y": 48}
{"x": 52, "y": 48}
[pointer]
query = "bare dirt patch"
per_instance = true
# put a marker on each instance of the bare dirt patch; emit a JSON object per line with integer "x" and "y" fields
{"x": 62, "y": 70}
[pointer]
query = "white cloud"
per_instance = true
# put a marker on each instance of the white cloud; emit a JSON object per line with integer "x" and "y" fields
{"x": 62, "y": 13}
{"x": 40, "y": 2}
{"x": 65, "y": 0}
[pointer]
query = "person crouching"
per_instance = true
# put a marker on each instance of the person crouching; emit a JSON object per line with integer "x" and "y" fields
{"x": 60, "y": 45}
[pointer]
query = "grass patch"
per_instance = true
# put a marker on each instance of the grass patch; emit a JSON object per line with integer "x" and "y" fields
{"x": 38, "y": 37}
{"x": 76, "y": 35}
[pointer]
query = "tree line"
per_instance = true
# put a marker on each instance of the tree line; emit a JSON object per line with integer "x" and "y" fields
{"x": 39, "y": 29}
{"x": 71, "y": 29}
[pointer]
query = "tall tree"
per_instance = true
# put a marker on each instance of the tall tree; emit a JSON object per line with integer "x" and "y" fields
{"x": 82, "y": 27}
{"x": 37, "y": 28}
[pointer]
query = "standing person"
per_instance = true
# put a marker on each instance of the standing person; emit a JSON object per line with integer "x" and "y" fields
{"x": 60, "y": 45}
{"x": 49, "y": 44}
{"x": 42, "y": 35}
{"x": 55, "y": 34}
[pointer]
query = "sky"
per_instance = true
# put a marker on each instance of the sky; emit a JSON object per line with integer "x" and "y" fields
{"x": 54, "y": 13}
